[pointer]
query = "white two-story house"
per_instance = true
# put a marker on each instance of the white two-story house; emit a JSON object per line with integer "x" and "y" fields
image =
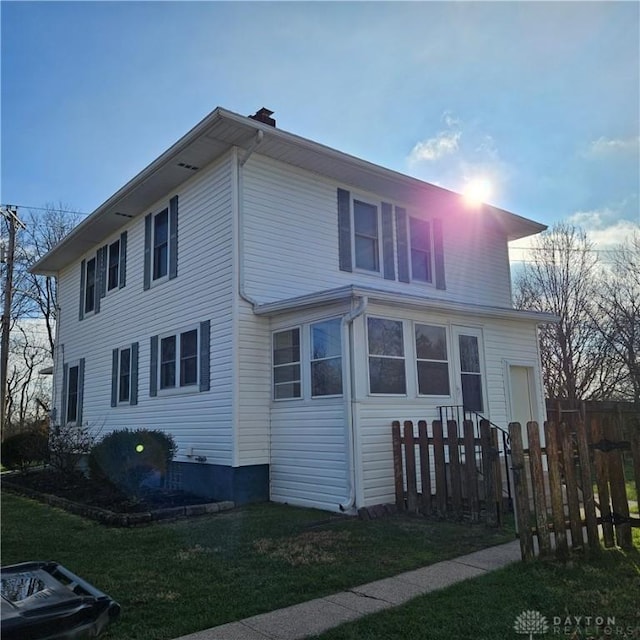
{"x": 275, "y": 304}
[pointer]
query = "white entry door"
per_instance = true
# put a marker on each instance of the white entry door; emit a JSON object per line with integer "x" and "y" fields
{"x": 470, "y": 384}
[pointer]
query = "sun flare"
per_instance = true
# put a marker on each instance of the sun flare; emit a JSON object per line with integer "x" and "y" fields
{"x": 477, "y": 191}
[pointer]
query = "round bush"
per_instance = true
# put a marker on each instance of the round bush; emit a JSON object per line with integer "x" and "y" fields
{"x": 132, "y": 459}
{"x": 24, "y": 449}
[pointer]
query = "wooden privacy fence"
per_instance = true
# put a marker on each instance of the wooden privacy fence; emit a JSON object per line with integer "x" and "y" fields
{"x": 574, "y": 485}
{"x": 453, "y": 474}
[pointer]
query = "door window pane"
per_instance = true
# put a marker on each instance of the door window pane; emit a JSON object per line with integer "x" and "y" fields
{"x": 472, "y": 392}
{"x": 469, "y": 354}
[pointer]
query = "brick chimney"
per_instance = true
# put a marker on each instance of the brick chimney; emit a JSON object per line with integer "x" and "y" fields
{"x": 264, "y": 115}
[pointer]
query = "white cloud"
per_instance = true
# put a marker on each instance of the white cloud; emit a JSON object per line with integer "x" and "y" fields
{"x": 445, "y": 143}
{"x": 604, "y": 146}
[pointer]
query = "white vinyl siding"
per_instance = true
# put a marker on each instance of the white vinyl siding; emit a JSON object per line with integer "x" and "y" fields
{"x": 202, "y": 421}
{"x": 292, "y": 214}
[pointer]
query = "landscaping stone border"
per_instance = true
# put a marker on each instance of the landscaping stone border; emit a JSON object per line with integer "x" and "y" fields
{"x": 112, "y": 518}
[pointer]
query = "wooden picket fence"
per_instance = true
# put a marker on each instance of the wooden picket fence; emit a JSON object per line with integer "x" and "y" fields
{"x": 456, "y": 474}
{"x": 556, "y": 503}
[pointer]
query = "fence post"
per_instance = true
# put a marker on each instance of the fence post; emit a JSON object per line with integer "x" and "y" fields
{"x": 537, "y": 484}
{"x": 488, "y": 465}
{"x": 410, "y": 461}
{"x": 521, "y": 492}
{"x": 441, "y": 472}
{"x": 555, "y": 485}
{"x": 454, "y": 467}
{"x": 396, "y": 442}
{"x": 588, "y": 500}
{"x": 425, "y": 471}
{"x": 600, "y": 463}
{"x": 471, "y": 471}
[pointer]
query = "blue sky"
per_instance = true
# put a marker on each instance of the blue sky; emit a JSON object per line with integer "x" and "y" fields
{"x": 541, "y": 98}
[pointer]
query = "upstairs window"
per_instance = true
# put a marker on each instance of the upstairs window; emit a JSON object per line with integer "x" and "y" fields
{"x": 366, "y": 236}
{"x": 386, "y": 356}
{"x": 421, "y": 253}
{"x": 286, "y": 364}
{"x": 90, "y": 286}
{"x": 161, "y": 244}
{"x": 326, "y": 358}
{"x": 432, "y": 362}
{"x": 113, "y": 270}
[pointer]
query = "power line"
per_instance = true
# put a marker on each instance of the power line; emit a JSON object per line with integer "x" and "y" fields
{"x": 54, "y": 209}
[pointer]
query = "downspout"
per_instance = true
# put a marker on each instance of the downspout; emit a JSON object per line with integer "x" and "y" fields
{"x": 240, "y": 203}
{"x": 348, "y": 372}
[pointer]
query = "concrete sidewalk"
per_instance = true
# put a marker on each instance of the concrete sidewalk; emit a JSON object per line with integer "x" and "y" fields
{"x": 315, "y": 616}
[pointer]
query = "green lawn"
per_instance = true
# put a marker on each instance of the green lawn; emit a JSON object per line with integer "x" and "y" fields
{"x": 486, "y": 608}
{"x": 176, "y": 578}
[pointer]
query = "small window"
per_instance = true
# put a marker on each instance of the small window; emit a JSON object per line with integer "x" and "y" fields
{"x": 90, "y": 286}
{"x": 326, "y": 358}
{"x": 366, "y": 236}
{"x": 161, "y": 244}
{"x": 420, "y": 232}
{"x": 189, "y": 358}
{"x": 432, "y": 362}
{"x": 124, "y": 376}
{"x": 471, "y": 375}
{"x": 168, "y": 362}
{"x": 286, "y": 364}
{"x": 113, "y": 271}
{"x": 386, "y": 356}
{"x": 73, "y": 386}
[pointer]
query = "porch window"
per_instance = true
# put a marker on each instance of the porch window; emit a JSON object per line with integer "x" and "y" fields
{"x": 326, "y": 358}
{"x": 386, "y": 356}
{"x": 286, "y": 364}
{"x": 432, "y": 362}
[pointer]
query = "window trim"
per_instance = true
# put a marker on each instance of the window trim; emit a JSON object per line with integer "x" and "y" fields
{"x": 179, "y": 388}
{"x": 379, "y": 238}
{"x": 301, "y": 396}
{"x": 92, "y": 310}
{"x": 403, "y": 358}
{"x": 448, "y": 348}
{"x": 311, "y": 359}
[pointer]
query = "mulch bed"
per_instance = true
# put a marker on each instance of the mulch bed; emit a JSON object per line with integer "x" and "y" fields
{"x": 102, "y": 502}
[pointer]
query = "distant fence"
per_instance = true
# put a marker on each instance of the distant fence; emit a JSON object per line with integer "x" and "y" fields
{"x": 457, "y": 473}
{"x": 574, "y": 485}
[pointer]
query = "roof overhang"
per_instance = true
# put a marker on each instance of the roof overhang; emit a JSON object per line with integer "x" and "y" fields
{"x": 216, "y": 135}
{"x": 406, "y": 301}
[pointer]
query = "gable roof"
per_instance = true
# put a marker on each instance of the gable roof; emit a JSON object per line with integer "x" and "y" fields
{"x": 216, "y": 134}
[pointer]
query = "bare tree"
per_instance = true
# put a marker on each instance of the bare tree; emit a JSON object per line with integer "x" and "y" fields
{"x": 562, "y": 279}
{"x": 618, "y": 315}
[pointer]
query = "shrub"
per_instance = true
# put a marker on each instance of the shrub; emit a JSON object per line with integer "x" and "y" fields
{"x": 132, "y": 459}
{"x": 68, "y": 444}
{"x": 24, "y": 449}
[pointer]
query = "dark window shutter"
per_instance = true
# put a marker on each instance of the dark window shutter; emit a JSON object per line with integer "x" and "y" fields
{"x": 133, "y": 396}
{"x": 438, "y": 253}
{"x": 402, "y": 242}
{"x": 114, "y": 377}
{"x": 122, "y": 276}
{"x": 80, "y": 390}
{"x": 83, "y": 272}
{"x": 344, "y": 230}
{"x": 205, "y": 365}
{"x": 153, "y": 367}
{"x": 101, "y": 276}
{"x": 173, "y": 237}
{"x": 147, "y": 252}
{"x": 65, "y": 393}
{"x": 387, "y": 242}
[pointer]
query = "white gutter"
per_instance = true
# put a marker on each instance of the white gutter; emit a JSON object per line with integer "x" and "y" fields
{"x": 348, "y": 375}
{"x": 240, "y": 204}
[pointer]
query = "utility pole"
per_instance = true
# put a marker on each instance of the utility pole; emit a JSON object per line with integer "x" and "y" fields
{"x": 10, "y": 213}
